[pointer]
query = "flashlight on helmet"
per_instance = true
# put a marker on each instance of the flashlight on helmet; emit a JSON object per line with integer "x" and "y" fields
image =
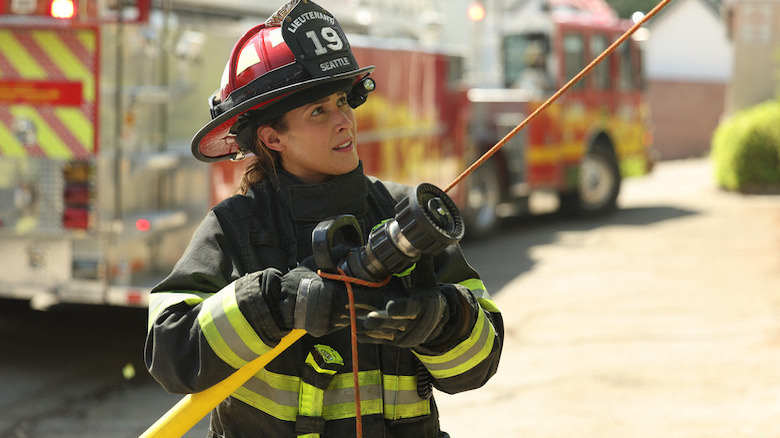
{"x": 359, "y": 92}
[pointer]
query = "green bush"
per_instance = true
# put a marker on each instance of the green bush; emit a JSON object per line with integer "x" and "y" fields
{"x": 746, "y": 149}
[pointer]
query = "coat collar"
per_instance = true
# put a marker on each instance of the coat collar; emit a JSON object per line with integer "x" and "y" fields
{"x": 344, "y": 194}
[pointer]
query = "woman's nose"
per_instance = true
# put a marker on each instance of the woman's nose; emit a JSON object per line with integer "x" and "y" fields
{"x": 344, "y": 119}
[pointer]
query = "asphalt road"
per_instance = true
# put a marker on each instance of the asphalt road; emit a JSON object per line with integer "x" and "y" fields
{"x": 661, "y": 320}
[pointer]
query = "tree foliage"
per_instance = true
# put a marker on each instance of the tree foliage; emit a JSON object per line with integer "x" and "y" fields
{"x": 627, "y": 7}
{"x": 746, "y": 149}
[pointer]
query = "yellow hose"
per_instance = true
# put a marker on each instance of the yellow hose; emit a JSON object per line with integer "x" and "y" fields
{"x": 193, "y": 407}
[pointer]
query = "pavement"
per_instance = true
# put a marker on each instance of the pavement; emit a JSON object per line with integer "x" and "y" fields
{"x": 662, "y": 320}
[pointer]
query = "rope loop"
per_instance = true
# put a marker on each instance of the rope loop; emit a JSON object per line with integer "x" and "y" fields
{"x": 342, "y": 276}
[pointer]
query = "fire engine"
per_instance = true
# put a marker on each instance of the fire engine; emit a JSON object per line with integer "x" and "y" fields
{"x": 99, "y": 99}
{"x": 581, "y": 147}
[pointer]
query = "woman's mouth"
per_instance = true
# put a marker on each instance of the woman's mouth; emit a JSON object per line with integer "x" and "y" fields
{"x": 343, "y": 146}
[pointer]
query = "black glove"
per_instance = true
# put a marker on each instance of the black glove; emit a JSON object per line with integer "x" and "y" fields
{"x": 408, "y": 320}
{"x": 318, "y": 305}
{"x": 310, "y": 302}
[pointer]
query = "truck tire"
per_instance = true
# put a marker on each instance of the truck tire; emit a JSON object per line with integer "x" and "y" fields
{"x": 482, "y": 199}
{"x": 598, "y": 185}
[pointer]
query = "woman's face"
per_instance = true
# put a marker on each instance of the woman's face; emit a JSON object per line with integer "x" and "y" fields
{"x": 320, "y": 139}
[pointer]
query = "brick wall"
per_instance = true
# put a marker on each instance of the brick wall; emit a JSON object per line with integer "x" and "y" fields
{"x": 685, "y": 114}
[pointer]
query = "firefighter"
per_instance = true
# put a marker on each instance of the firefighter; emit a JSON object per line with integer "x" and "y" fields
{"x": 248, "y": 276}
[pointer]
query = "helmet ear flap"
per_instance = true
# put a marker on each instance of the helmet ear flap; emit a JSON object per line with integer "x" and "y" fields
{"x": 245, "y": 137}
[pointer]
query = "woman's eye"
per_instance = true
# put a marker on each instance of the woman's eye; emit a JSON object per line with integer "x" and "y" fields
{"x": 342, "y": 101}
{"x": 317, "y": 111}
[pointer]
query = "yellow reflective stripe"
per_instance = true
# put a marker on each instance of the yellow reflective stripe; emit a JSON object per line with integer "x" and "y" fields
{"x": 227, "y": 331}
{"x": 48, "y": 140}
{"x": 488, "y": 305}
{"x": 88, "y": 39}
{"x": 464, "y": 356}
{"x": 310, "y": 400}
{"x": 368, "y": 406}
{"x": 401, "y": 398}
{"x": 474, "y": 284}
{"x": 21, "y": 59}
{"x": 477, "y": 287}
{"x": 160, "y": 301}
{"x": 243, "y": 329}
{"x": 10, "y": 146}
{"x": 279, "y": 395}
{"x": 73, "y": 67}
{"x": 78, "y": 125}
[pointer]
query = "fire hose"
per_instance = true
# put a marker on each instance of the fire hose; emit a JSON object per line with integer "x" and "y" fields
{"x": 432, "y": 211}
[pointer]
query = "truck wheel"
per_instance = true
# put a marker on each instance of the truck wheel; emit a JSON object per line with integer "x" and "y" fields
{"x": 597, "y": 187}
{"x": 482, "y": 200}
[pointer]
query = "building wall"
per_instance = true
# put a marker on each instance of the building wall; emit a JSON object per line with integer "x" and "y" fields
{"x": 688, "y": 41}
{"x": 756, "y": 34}
{"x": 688, "y": 60}
{"x": 685, "y": 115}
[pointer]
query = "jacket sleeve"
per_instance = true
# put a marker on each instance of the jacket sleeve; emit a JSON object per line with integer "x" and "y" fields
{"x": 207, "y": 318}
{"x": 470, "y": 355}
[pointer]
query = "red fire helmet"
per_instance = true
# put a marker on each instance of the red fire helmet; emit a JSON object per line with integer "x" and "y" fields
{"x": 299, "y": 55}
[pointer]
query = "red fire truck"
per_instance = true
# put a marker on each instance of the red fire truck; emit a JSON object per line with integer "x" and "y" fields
{"x": 99, "y": 100}
{"x": 584, "y": 144}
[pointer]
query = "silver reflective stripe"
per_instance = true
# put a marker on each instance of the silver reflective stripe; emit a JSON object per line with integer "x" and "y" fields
{"x": 402, "y": 397}
{"x": 216, "y": 306}
{"x": 285, "y": 392}
{"x": 466, "y": 355}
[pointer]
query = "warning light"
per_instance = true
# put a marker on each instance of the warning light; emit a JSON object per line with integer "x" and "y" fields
{"x": 143, "y": 225}
{"x": 63, "y": 9}
{"x": 476, "y": 12}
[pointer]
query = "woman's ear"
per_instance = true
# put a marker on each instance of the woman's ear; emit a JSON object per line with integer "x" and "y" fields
{"x": 270, "y": 138}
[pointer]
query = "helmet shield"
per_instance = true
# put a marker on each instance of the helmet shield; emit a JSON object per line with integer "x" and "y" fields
{"x": 290, "y": 57}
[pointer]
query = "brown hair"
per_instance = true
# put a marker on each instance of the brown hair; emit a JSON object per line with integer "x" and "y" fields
{"x": 265, "y": 160}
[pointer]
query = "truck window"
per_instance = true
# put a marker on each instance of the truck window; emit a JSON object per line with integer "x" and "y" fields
{"x": 600, "y": 77}
{"x": 455, "y": 68}
{"x": 627, "y": 74}
{"x": 573, "y": 59}
{"x": 525, "y": 61}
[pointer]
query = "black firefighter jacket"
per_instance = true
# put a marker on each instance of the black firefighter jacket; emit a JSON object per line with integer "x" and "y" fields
{"x": 208, "y": 318}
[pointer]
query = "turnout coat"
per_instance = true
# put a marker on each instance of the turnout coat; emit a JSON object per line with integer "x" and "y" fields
{"x": 209, "y": 317}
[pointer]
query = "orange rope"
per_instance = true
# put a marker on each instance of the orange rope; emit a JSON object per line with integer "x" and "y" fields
{"x": 557, "y": 94}
{"x": 355, "y": 369}
{"x": 352, "y": 280}
{"x": 348, "y": 281}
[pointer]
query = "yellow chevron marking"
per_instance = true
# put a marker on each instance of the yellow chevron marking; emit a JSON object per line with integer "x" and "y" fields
{"x": 73, "y": 68}
{"x": 9, "y": 145}
{"x": 15, "y": 53}
{"x": 88, "y": 40}
{"x": 48, "y": 140}
{"x": 79, "y": 125}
